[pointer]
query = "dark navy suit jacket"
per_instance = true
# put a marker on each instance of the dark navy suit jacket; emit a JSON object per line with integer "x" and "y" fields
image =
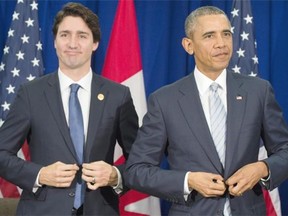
{"x": 37, "y": 116}
{"x": 175, "y": 124}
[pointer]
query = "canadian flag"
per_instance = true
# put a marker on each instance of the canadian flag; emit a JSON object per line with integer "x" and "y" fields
{"x": 123, "y": 64}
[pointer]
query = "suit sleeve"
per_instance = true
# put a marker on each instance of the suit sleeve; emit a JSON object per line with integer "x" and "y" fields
{"x": 143, "y": 171}
{"x": 275, "y": 138}
{"x": 13, "y": 133}
{"x": 127, "y": 127}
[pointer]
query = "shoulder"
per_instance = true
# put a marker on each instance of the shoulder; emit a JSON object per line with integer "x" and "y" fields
{"x": 250, "y": 82}
{"x": 107, "y": 83}
{"x": 175, "y": 86}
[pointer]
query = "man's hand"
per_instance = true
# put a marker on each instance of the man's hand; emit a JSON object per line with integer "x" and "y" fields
{"x": 246, "y": 177}
{"x": 58, "y": 174}
{"x": 207, "y": 184}
{"x": 98, "y": 174}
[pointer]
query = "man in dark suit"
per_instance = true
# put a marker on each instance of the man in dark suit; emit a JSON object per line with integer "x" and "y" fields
{"x": 40, "y": 115}
{"x": 180, "y": 122}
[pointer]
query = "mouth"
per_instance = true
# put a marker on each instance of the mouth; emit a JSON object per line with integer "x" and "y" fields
{"x": 221, "y": 54}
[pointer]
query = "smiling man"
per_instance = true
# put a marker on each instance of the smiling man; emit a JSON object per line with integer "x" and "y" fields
{"x": 210, "y": 124}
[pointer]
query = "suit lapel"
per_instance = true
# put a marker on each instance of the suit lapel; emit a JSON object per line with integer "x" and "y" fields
{"x": 236, "y": 103}
{"x": 99, "y": 96}
{"x": 54, "y": 100}
{"x": 192, "y": 110}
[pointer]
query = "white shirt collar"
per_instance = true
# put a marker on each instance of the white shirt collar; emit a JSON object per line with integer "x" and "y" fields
{"x": 84, "y": 82}
{"x": 203, "y": 82}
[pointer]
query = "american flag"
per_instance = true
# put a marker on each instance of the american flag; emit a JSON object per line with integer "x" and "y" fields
{"x": 21, "y": 62}
{"x": 245, "y": 61}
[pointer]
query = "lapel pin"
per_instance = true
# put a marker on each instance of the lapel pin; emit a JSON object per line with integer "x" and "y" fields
{"x": 238, "y": 97}
{"x": 100, "y": 97}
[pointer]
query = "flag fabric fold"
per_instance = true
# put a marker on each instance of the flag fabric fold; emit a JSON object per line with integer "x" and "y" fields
{"x": 21, "y": 62}
{"x": 123, "y": 64}
{"x": 245, "y": 61}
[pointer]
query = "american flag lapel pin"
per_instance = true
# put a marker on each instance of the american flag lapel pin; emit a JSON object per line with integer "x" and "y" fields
{"x": 239, "y": 97}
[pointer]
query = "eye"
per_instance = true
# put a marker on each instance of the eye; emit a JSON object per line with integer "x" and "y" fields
{"x": 208, "y": 36}
{"x": 63, "y": 35}
{"x": 227, "y": 34}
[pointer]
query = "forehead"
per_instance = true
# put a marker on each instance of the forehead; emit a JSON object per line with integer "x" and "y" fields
{"x": 71, "y": 23}
{"x": 215, "y": 22}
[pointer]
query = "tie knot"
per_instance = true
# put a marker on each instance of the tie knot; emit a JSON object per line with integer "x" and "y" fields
{"x": 214, "y": 87}
{"x": 74, "y": 88}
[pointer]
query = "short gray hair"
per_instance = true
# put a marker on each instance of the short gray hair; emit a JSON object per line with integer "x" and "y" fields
{"x": 191, "y": 20}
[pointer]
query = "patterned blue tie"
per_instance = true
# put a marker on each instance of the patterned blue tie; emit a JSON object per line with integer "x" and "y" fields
{"x": 218, "y": 121}
{"x": 218, "y": 130}
{"x": 77, "y": 136}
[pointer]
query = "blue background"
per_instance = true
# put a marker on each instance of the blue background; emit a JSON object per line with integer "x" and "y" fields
{"x": 161, "y": 29}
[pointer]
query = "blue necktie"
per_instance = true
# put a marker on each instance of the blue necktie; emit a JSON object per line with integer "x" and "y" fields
{"x": 218, "y": 130}
{"x": 77, "y": 136}
{"x": 218, "y": 121}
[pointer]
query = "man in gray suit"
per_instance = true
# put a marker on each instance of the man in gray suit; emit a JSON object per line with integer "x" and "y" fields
{"x": 40, "y": 115}
{"x": 179, "y": 123}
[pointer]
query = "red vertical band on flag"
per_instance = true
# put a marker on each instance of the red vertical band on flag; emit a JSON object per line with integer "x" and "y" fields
{"x": 123, "y": 56}
{"x": 123, "y": 64}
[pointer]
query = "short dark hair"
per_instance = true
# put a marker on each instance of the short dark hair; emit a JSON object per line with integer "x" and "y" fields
{"x": 191, "y": 20}
{"x": 78, "y": 10}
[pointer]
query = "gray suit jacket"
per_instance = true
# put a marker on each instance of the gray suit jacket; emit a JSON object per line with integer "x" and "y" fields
{"x": 37, "y": 116}
{"x": 175, "y": 124}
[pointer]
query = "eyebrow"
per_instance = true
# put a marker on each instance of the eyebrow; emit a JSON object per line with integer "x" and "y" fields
{"x": 78, "y": 32}
{"x": 213, "y": 32}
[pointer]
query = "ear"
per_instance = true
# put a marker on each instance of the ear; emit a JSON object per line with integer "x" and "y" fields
{"x": 95, "y": 46}
{"x": 187, "y": 45}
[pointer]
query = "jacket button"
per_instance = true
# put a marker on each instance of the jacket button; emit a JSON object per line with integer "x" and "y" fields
{"x": 71, "y": 194}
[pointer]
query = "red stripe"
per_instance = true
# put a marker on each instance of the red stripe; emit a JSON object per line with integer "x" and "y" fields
{"x": 269, "y": 205}
{"x": 8, "y": 189}
{"x": 128, "y": 198}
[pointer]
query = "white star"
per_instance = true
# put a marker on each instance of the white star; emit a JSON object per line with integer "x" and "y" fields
{"x": 5, "y": 106}
{"x": 35, "y": 62}
{"x": 236, "y": 69}
{"x": 30, "y": 22}
{"x": 20, "y": 55}
{"x": 39, "y": 45}
{"x": 248, "y": 19}
{"x": 255, "y": 59}
{"x": 25, "y": 39}
{"x": 2, "y": 66}
{"x": 30, "y": 78}
{"x": 10, "y": 89}
{"x": 232, "y": 29}
{"x": 20, "y": 1}
{"x": 240, "y": 52}
{"x": 6, "y": 50}
{"x": 15, "y": 72}
{"x": 235, "y": 12}
{"x": 253, "y": 74}
{"x": 11, "y": 33}
{"x": 1, "y": 122}
{"x": 244, "y": 36}
{"x": 34, "y": 6}
{"x": 15, "y": 16}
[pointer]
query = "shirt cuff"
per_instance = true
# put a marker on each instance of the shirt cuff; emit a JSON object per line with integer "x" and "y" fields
{"x": 119, "y": 187}
{"x": 265, "y": 181}
{"x": 36, "y": 184}
{"x": 187, "y": 191}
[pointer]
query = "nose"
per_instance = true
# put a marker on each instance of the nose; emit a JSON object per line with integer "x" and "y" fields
{"x": 73, "y": 42}
{"x": 220, "y": 41}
